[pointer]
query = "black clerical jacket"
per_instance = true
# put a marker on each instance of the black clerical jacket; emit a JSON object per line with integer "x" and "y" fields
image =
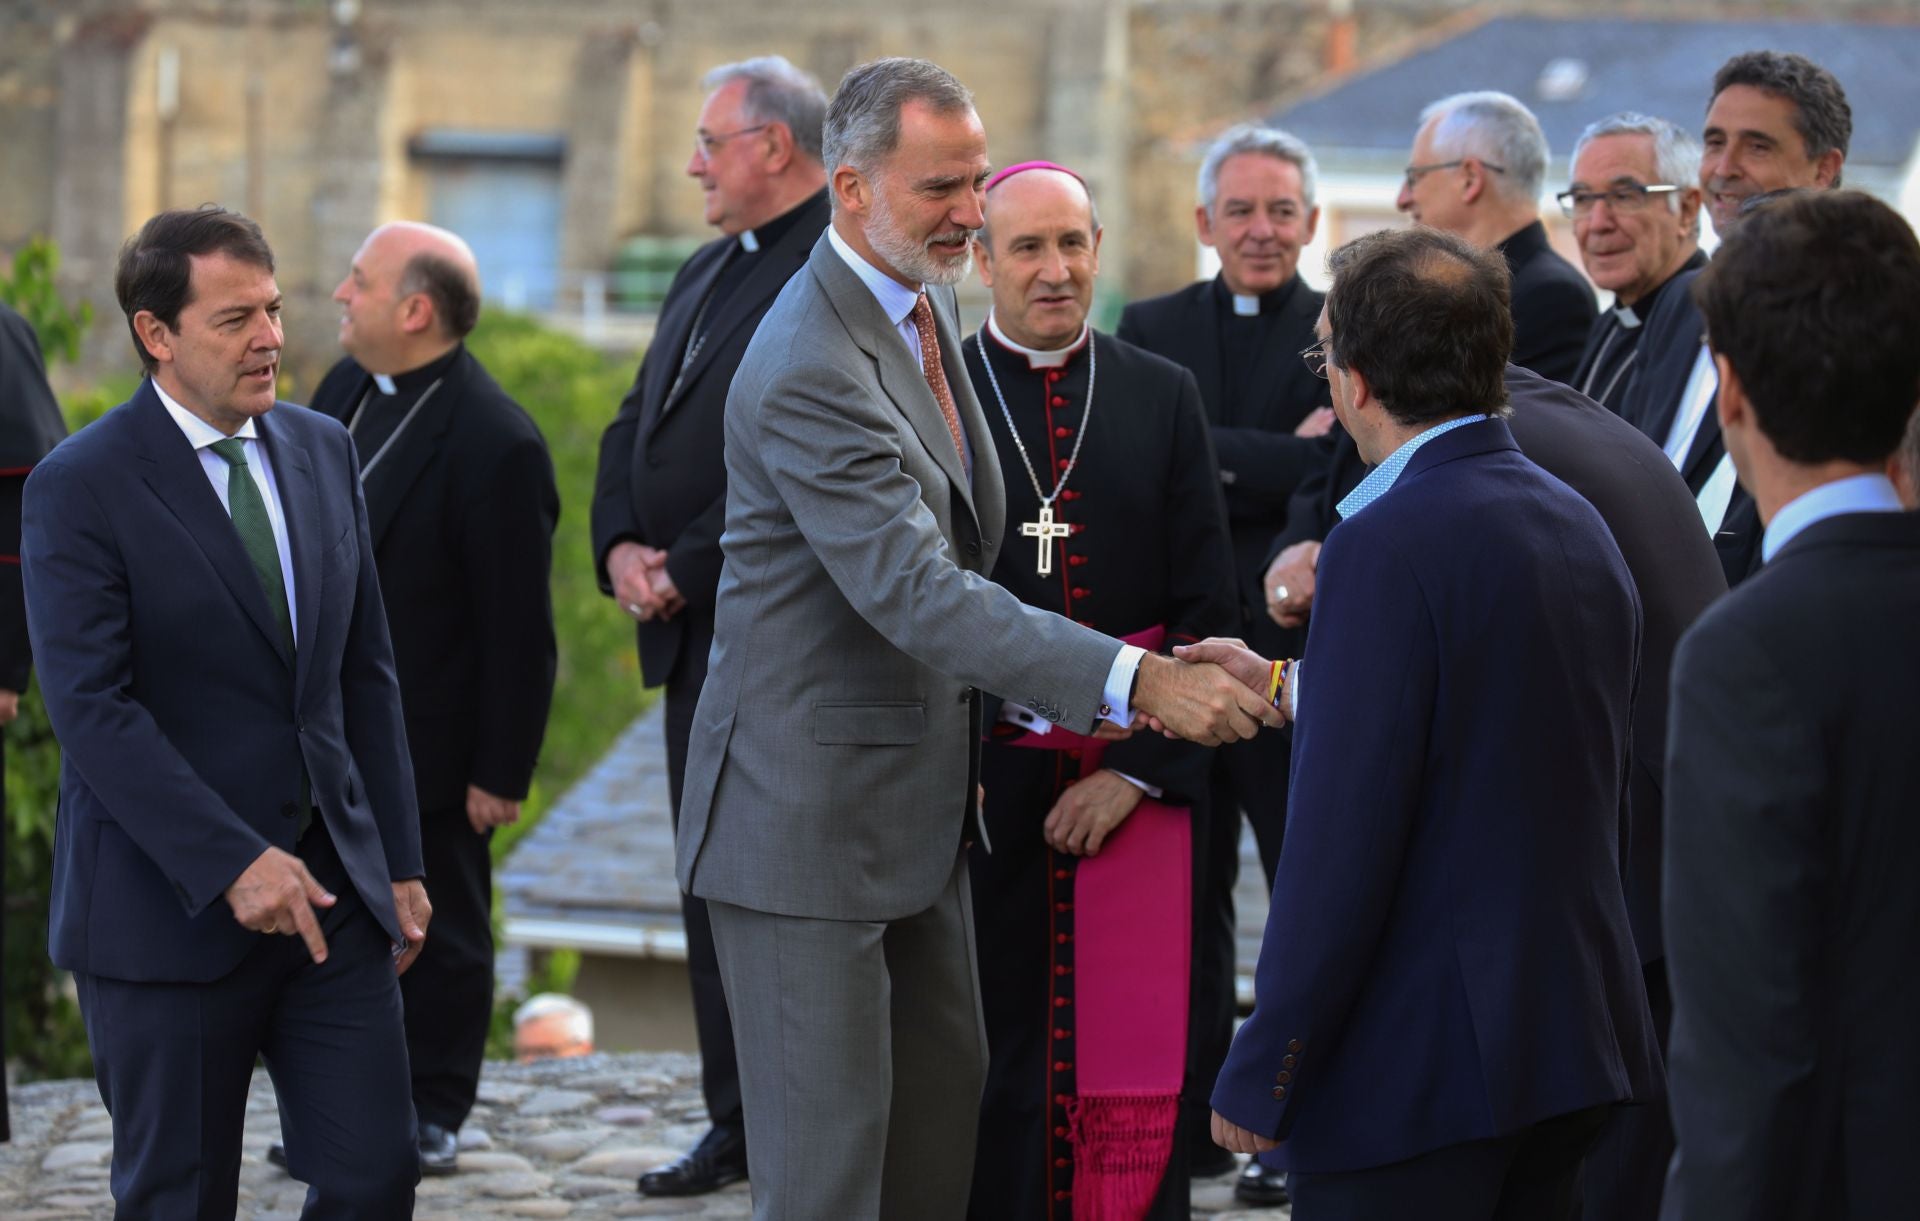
{"x": 1149, "y": 545}
{"x": 1262, "y": 463}
{"x": 461, "y": 508}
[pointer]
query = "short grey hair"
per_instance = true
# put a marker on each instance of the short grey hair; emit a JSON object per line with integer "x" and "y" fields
{"x": 863, "y": 120}
{"x": 547, "y": 1004}
{"x": 1498, "y": 130}
{"x": 1252, "y": 138}
{"x": 1676, "y": 154}
{"x": 777, "y": 92}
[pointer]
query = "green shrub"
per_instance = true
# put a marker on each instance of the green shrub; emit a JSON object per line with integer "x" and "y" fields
{"x": 572, "y": 392}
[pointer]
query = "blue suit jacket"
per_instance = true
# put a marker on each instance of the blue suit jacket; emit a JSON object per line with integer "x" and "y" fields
{"x": 1447, "y": 956}
{"x": 183, "y": 722}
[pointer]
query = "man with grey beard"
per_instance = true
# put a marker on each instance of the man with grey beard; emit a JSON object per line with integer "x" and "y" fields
{"x": 832, "y": 778}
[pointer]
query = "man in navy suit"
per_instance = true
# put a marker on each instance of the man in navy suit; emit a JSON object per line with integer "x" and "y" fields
{"x": 1792, "y": 919}
{"x": 237, "y": 861}
{"x": 1449, "y": 997}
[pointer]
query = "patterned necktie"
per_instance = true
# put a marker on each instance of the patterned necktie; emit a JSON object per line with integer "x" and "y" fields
{"x": 250, "y": 518}
{"x": 936, "y": 375}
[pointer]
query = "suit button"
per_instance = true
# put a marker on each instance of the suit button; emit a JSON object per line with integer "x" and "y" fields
{"x": 973, "y": 548}
{"x": 1279, "y": 1093}
{"x": 1283, "y": 1076}
{"x": 289, "y": 810}
{"x": 1289, "y": 1061}
{"x": 1293, "y": 1045}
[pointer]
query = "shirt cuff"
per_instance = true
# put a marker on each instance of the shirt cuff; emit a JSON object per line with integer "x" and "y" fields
{"x": 1117, "y": 700}
{"x": 1292, "y": 694}
{"x": 1152, "y": 790}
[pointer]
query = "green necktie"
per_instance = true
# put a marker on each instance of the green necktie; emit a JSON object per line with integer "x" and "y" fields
{"x": 250, "y": 518}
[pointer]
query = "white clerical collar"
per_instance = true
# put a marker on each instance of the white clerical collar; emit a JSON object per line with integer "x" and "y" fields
{"x": 1626, "y": 317}
{"x": 1245, "y": 306}
{"x": 200, "y": 434}
{"x": 895, "y": 298}
{"x": 385, "y": 382}
{"x": 749, "y": 241}
{"x": 1037, "y": 359}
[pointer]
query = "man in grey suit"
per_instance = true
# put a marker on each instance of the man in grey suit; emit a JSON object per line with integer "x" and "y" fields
{"x": 831, "y": 782}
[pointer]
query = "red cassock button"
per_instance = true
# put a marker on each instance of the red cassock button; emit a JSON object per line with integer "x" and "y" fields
{"x": 1063, "y": 938}
{"x": 1081, "y": 591}
{"x": 1059, "y": 1002}
{"x": 1073, "y": 754}
{"x": 1059, "y": 970}
{"x": 1063, "y": 907}
{"x": 1058, "y": 401}
{"x": 1061, "y": 1163}
{"x": 1060, "y": 875}
{"x": 1063, "y": 1195}
{"x": 1062, "y": 1099}
{"x": 1053, "y": 375}
{"x": 1060, "y": 1034}
{"x": 1061, "y": 462}
{"x": 1059, "y": 1066}
{"x": 1069, "y": 494}
{"x": 1076, "y": 560}
{"x": 1063, "y": 432}
{"x": 1060, "y": 1132}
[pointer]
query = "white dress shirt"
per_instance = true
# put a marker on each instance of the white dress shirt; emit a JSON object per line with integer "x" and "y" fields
{"x": 1854, "y": 494}
{"x": 1695, "y": 402}
{"x": 201, "y": 435}
{"x": 896, "y": 301}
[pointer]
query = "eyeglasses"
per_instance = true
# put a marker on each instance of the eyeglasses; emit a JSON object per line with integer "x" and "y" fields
{"x": 1621, "y": 197}
{"x": 1415, "y": 173}
{"x": 1316, "y": 359}
{"x": 708, "y": 143}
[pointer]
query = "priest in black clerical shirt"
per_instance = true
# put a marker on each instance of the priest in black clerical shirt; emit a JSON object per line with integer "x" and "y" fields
{"x": 461, "y": 508}
{"x": 1114, "y": 518}
{"x": 1635, "y": 206}
{"x": 1240, "y": 335}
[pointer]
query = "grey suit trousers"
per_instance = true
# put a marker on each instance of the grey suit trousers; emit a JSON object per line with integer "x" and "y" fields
{"x": 861, "y": 1073}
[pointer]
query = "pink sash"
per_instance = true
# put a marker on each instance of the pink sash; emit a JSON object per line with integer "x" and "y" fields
{"x": 1132, "y": 971}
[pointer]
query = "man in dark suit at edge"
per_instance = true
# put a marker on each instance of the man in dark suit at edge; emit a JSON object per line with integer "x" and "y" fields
{"x": 1792, "y": 920}
{"x": 660, "y": 497}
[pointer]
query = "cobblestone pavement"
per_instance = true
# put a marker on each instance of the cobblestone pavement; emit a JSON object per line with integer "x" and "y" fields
{"x": 562, "y": 1139}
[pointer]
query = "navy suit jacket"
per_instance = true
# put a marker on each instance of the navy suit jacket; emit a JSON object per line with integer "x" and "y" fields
{"x": 1793, "y": 918}
{"x": 183, "y": 722}
{"x": 1447, "y": 957}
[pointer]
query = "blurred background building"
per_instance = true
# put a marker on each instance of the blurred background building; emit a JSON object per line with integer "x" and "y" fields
{"x": 554, "y": 135}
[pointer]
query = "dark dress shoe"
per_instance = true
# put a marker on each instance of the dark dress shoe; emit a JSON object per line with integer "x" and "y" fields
{"x": 439, "y": 1149}
{"x": 720, "y": 1158}
{"x": 1262, "y": 1186}
{"x": 277, "y": 1154}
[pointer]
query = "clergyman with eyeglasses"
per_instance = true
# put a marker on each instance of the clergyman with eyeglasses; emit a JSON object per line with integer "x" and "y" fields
{"x": 1634, "y": 200}
{"x": 1476, "y": 170}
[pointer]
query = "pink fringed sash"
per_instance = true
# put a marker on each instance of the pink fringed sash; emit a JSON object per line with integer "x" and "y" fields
{"x": 1132, "y": 963}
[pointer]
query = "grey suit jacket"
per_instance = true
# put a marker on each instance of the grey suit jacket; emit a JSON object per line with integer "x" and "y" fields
{"x": 828, "y": 773}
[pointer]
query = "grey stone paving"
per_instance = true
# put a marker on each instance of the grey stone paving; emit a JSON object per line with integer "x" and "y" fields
{"x": 562, "y": 1139}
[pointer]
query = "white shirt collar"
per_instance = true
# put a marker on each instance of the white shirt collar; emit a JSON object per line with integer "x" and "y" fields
{"x": 1854, "y": 494}
{"x": 200, "y": 434}
{"x": 896, "y": 299}
{"x": 1037, "y": 359}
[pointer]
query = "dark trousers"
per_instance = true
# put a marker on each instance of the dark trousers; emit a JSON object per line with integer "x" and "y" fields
{"x": 174, "y": 1062}
{"x": 1249, "y": 776}
{"x": 449, "y": 989}
{"x": 1626, "y": 1174}
{"x": 1530, "y": 1175}
{"x": 719, "y": 1070}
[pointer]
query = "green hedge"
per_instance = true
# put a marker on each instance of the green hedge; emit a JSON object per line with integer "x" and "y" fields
{"x": 571, "y": 391}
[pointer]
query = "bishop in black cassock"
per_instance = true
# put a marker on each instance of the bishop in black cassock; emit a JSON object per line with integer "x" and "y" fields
{"x": 1132, "y": 481}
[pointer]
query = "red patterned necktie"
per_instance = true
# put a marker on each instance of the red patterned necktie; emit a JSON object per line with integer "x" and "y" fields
{"x": 936, "y": 375}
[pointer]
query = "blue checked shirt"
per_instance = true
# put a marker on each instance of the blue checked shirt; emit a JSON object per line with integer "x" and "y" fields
{"x": 1381, "y": 478}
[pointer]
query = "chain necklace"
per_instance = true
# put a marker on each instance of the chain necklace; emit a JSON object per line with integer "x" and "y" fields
{"x": 1045, "y": 530}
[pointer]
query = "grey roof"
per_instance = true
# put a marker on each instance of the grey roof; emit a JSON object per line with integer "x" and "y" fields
{"x": 1656, "y": 66}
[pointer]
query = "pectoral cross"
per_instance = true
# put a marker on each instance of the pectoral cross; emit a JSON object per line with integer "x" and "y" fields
{"x": 1045, "y": 531}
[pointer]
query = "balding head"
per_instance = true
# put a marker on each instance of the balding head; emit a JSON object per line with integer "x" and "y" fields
{"x": 1039, "y": 252}
{"x": 412, "y": 294}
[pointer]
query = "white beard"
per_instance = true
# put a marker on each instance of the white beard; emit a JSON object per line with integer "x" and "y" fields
{"x": 915, "y": 260}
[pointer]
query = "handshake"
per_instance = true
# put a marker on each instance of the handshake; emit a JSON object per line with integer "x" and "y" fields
{"x": 1211, "y": 693}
